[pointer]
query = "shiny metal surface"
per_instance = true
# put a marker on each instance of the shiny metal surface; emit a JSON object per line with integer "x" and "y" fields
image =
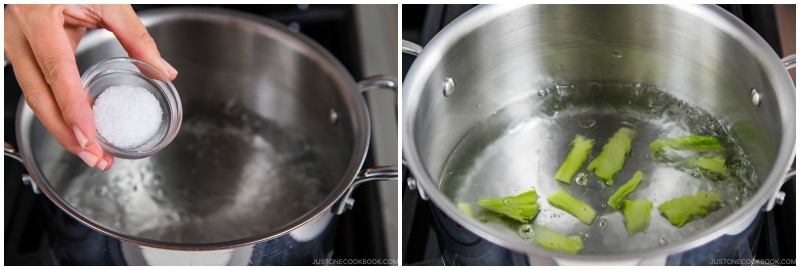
{"x": 500, "y": 55}
{"x": 411, "y": 48}
{"x": 385, "y": 173}
{"x": 256, "y": 156}
{"x": 9, "y": 151}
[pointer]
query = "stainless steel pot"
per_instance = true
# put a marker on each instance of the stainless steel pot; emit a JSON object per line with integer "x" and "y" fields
{"x": 495, "y": 55}
{"x": 274, "y": 135}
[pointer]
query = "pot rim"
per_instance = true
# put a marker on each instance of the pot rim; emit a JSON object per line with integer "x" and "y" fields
{"x": 356, "y": 106}
{"x": 423, "y": 66}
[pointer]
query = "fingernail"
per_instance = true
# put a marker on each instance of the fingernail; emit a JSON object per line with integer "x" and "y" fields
{"x": 103, "y": 164}
{"x": 82, "y": 140}
{"x": 172, "y": 70}
{"x": 89, "y": 158}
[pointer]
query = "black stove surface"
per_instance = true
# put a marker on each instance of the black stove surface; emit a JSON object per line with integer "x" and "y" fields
{"x": 771, "y": 237}
{"x": 359, "y": 233}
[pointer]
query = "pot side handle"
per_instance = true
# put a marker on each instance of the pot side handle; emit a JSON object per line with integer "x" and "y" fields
{"x": 411, "y": 48}
{"x": 385, "y": 173}
{"x": 11, "y": 152}
{"x": 789, "y": 61}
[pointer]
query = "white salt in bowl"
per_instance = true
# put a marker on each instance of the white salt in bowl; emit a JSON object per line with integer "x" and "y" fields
{"x": 128, "y": 73}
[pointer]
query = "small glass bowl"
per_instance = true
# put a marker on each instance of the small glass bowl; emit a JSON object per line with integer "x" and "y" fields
{"x": 129, "y": 71}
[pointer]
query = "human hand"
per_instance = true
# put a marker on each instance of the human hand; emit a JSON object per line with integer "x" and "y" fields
{"x": 40, "y": 42}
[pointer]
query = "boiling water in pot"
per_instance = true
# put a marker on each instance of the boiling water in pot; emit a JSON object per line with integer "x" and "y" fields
{"x": 521, "y": 146}
{"x": 229, "y": 174}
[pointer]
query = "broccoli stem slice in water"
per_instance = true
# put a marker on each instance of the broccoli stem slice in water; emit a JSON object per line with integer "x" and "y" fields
{"x": 522, "y": 207}
{"x": 552, "y": 240}
{"x": 612, "y": 158}
{"x": 637, "y": 215}
{"x": 694, "y": 143}
{"x": 464, "y": 207}
{"x": 562, "y": 200}
{"x": 628, "y": 187}
{"x": 577, "y": 156}
{"x": 681, "y": 210}
{"x": 714, "y": 165}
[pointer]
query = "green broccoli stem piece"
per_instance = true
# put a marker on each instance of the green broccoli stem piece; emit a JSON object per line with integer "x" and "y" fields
{"x": 681, "y": 210}
{"x": 552, "y": 240}
{"x": 637, "y": 215}
{"x": 522, "y": 207}
{"x": 464, "y": 207}
{"x": 562, "y": 200}
{"x": 694, "y": 143}
{"x": 628, "y": 187}
{"x": 577, "y": 156}
{"x": 714, "y": 165}
{"x": 612, "y": 158}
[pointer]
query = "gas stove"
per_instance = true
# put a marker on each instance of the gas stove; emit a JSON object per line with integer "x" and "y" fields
{"x": 366, "y": 232}
{"x": 770, "y": 239}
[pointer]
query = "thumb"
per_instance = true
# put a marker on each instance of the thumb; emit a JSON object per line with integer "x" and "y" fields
{"x": 131, "y": 33}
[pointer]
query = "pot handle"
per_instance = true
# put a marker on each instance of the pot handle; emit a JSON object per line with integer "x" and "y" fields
{"x": 385, "y": 173}
{"x": 378, "y": 82}
{"x": 411, "y": 48}
{"x": 789, "y": 61}
{"x": 779, "y": 195}
{"x": 11, "y": 152}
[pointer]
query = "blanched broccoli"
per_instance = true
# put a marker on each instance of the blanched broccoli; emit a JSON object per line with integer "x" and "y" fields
{"x": 464, "y": 207}
{"x": 562, "y": 200}
{"x": 612, "y": 158}
{"x": 694, "y": 143}
{"x": 577, "y": 156}
{"x": 552, "y": 240}
{"x": 522, "y": 207}
{"x": 625, "y": 189}
{"x": 637, "y": 215}
{"x": 714, "y": 165}
{"x": 681, "y": 210}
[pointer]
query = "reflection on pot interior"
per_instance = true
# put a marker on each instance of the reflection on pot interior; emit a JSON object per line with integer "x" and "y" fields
{"x": 218, "y": 181}
{"x": 521, "y": 146}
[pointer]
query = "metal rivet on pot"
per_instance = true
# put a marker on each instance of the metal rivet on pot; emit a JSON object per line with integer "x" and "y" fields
{"x": 26, "y": 179}
{"x": 294, "y": 26}
{"x": 755, "y": 96}
{"x": 350, "y": 202}
{"x": 334, "y": 116}
{"x": 449, "y": 87}
{"x": 412, "y": 183}
{"x": 780, "y": 197}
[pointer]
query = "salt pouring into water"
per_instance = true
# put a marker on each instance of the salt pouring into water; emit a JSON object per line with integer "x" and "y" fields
{"x": 127, "y": 116}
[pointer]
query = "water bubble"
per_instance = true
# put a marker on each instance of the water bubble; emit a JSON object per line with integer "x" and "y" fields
{"x": 587, "y": 123}
{"x": 505, "y": 202}
{"x": 602, "y": 223}
{"x": 483, "y": 219}
{"x": 581, "y": 179}
{"x": 604, "y": 206}
{"x": 478, "y": 106}
{"x": 662, "y": 242}
{"x": 495, "y": 112}
{"x": 697, "y": 174}
{"x": 526, "y": 232}
{"x": 450, "y": 172}
{"x": 616, "y": 54}
{"x": 544, "y": 92}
